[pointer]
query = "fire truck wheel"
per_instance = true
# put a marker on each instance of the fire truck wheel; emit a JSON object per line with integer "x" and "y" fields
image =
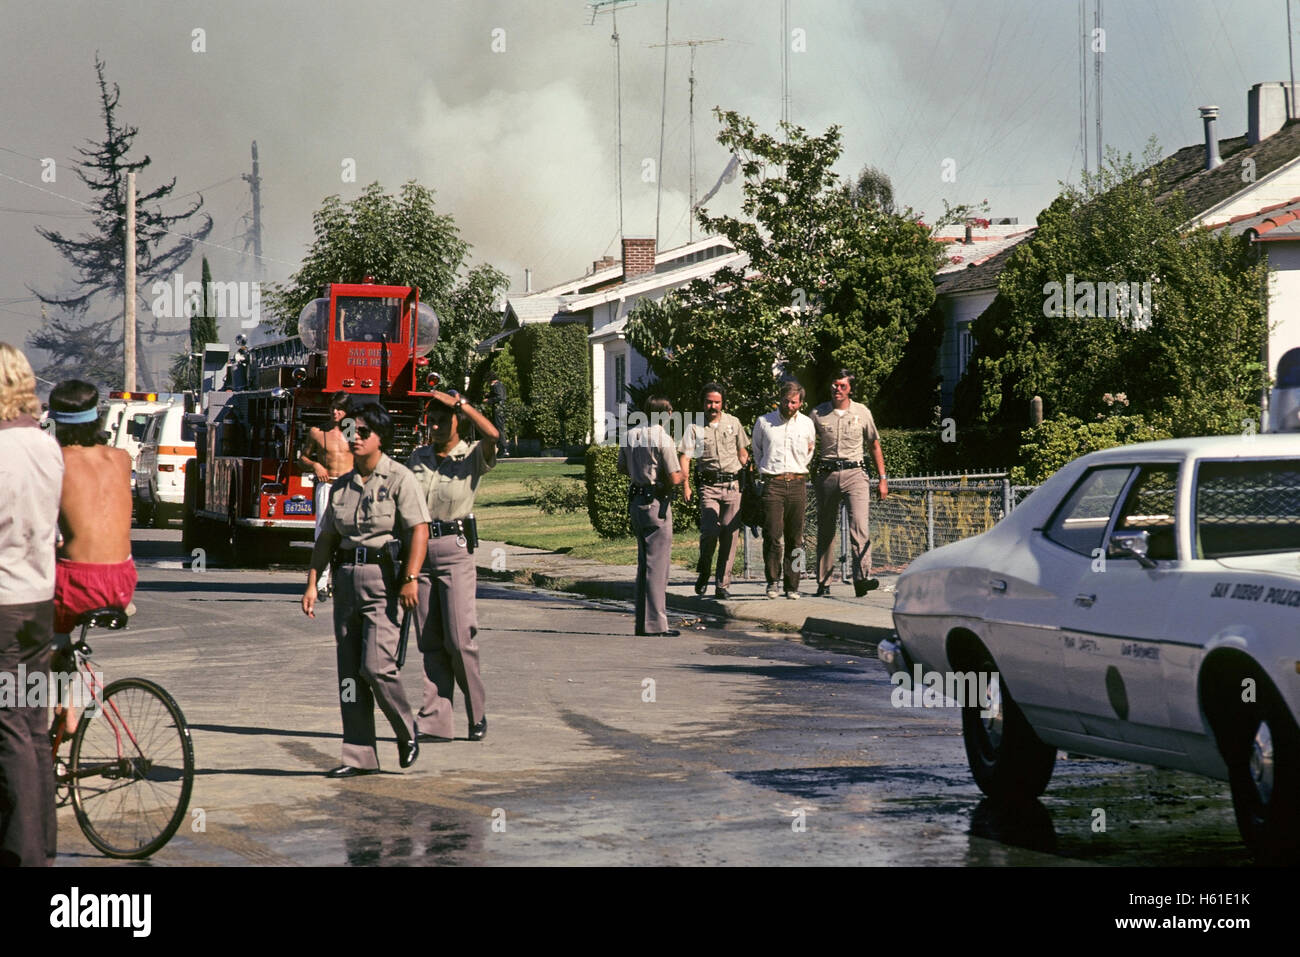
{"x": 246, "y": 549}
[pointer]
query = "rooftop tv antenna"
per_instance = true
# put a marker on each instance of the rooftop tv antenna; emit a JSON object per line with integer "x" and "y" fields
{"x": 598, "y": 7}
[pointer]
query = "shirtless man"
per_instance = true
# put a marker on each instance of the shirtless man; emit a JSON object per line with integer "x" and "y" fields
{"x": 328, "y": 454}
{"x": 94, "y": 567}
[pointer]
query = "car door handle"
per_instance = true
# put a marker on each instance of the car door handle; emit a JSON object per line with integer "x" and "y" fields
{"x": 998, "y": 584}
{"x": 1085, "y": 600}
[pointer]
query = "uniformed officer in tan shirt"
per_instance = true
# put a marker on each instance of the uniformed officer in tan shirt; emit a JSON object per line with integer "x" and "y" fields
{"x": 649, "y": 458}
{"x": 370, "y": 507}
{"x": 720, "y": 448}
{"x": 448, "y": 472}
{"x": 844, "y": 430}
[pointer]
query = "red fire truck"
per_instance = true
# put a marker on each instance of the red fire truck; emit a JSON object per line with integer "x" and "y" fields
{"x": 247, "y": 498}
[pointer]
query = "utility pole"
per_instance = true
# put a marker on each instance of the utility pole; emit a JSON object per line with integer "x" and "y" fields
{"x": 597, "y": 7}
{"x": 254, "y": 182}
{"x": 1096, "y": 60}
{"x": 128, "y": 317}
{"x": 785, "y": 61}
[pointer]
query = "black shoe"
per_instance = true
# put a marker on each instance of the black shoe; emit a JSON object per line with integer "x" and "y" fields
{"x": 702, "y": 583}
{"x": 477, "y": 732}
{"x": 670, "y": 633}
{"x": 408, "y": 751}
{"x": 823, "y": 591}
{"x": 721, "y": 594}
{"x": 348, "y": 771}
{"x": 426, "y": 738}
{"x": 860, "y": 588}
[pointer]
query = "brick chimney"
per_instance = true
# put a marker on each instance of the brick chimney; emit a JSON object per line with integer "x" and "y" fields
{"x": 638, "y": 258}
{"x": 1268, "y": 107}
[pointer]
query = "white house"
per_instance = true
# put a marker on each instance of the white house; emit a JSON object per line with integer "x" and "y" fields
{"x": 602, "y": 301}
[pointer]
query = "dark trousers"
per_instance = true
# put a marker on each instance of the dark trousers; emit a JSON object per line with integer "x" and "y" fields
{"x": 784, "y": 504}
{"x": 448, "y": 623}
{"x": 28, "y": 829}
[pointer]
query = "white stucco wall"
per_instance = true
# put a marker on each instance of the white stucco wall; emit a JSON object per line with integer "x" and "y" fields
{"x": 959, "y": 309}
{"x": 1280, "y": 186}
{"x": 1284, "y": 300}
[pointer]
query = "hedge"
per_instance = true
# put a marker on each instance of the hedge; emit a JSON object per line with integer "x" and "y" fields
{"x": 1063, "y": 439}
{"x": 607, "y": 496}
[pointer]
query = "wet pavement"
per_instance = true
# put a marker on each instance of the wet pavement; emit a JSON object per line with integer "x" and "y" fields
{"x": 726, "y": 745}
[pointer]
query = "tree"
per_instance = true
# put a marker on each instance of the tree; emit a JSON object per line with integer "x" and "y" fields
{"x": 401, "y": 240}
{"x": 835, "y": 277}
{"x": 187, "y": 371}
{"x": 91, "y": 348}
{"x": 1113, "y": 295}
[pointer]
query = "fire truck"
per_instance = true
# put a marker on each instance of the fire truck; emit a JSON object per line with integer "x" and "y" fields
{"x": 247, "y": 497}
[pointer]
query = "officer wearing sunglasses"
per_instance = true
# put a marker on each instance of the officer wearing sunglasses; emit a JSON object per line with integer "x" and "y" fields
{"x": 374, "y": 536}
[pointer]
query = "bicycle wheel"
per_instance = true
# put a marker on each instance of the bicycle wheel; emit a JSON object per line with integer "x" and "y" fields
{"x": 132, "y": 768}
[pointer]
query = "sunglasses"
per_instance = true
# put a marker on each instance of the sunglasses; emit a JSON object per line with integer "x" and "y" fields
{"x": 364, "y": 432}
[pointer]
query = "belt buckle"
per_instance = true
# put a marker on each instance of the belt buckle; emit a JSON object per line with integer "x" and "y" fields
{"x": 359, "y": 555}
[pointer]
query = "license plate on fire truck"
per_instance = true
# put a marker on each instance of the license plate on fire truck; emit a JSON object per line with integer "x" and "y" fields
{"x": 297, "y": 508}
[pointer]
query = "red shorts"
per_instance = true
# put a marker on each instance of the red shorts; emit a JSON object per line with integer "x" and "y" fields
{"x": 80, "y": 587}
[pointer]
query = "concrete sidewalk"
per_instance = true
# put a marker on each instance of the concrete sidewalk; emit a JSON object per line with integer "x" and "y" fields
{"x": 842, "y": 615}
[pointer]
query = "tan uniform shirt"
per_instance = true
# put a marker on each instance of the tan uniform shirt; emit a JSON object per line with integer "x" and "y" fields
{"x": 372, "y": 513}
{"x": 847, "y": 436}
{"x": 648, "y": 453}
{"x": 449, "y": 486}
{"x": 715, "y": 447}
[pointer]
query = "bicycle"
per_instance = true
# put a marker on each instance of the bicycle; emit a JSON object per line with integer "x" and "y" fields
{"x": 130, "y": 768}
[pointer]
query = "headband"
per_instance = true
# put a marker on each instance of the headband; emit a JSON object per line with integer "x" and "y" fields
{"x": 75, "y": 418}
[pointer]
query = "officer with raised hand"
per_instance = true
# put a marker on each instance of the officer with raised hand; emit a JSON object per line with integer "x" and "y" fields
{"x": 375, "y": 534}
{"x": 448, "y": 472}
{"x": 649, "y": 458}
{"x": 844, "y": 430}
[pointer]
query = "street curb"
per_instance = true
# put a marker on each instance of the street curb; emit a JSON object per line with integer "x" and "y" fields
{"x": 626, "y": 591}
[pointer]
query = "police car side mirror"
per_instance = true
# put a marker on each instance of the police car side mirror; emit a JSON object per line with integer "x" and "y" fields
{"x": 1132, "y": 545}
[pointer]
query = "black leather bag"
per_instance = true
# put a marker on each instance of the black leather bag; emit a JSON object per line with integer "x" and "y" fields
{"x": 751, "y": 500}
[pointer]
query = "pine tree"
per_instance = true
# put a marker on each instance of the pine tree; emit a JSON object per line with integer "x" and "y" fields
{"x": 187, "y": 371}
{"x": 78, "y": 343}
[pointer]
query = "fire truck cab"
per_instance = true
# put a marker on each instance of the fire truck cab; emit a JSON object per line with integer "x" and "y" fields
{"x": 247, "y": 497}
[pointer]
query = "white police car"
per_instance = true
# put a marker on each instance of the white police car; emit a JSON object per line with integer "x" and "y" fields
{"x": 1143, "y": 604}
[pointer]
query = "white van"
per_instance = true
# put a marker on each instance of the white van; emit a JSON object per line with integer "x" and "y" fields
{"x": 127, "y": 417}
{"x": 160, "y": 468}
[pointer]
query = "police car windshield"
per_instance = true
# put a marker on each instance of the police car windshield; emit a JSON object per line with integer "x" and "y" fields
{"x": 365, "y": 319}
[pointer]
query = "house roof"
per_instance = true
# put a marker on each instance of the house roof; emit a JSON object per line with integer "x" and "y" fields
{"x": 1205, "y": 189}
{"x": 1280, "y": 221}
{"x": 982, "y": 272}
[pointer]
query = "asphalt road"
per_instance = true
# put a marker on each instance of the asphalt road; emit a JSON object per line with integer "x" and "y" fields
{"x": 755, "y": 749}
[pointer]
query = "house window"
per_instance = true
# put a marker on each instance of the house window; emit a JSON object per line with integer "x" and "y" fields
{"x": 620, "y": 379}
{"x": 965, "y": 346}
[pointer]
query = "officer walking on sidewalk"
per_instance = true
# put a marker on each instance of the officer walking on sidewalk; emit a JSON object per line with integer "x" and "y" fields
{"x": 721, "y": 451}
{"x": 844, "y": 428}
{"x": 648, "y": 457}
{"x": 448, "y": 472}
{"x": 374, "y": 510}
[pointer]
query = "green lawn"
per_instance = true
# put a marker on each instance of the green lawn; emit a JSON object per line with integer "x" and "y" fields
{"x": 506, "y": 513}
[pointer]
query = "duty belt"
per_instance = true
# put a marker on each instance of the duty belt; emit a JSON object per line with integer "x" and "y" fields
{"x": 836, "y": 465}
{"x": 455, "y": 527}
{"x": 717, "y": 478}
{"x": 634, "y": 490}
{"x": 361, "y": 555}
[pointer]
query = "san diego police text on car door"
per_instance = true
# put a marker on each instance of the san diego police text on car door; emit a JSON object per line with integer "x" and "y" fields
{"x": 1143, "y": 604}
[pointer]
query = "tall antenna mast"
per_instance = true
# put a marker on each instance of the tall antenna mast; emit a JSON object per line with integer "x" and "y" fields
{"x": 1096, "y": 61}
{"x": 254, "y": 181}
{"x": 691, "y": 122}
{"x": 785, "y": 61}
{"x": 597, "y": 7}
{"x": 1290, "y": 55}
{"x": 1083, "y": 81}
{"x": 663, "y": 116}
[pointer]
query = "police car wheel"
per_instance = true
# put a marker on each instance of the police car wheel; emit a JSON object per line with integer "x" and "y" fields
{"x": 1006, "y": 758}
{"x": 1263, "y": 767}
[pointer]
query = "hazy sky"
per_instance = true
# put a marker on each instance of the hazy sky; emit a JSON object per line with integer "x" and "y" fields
{"x": 507, "y": 108}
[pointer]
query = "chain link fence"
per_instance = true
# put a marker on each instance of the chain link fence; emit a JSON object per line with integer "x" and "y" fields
{"x": 921, "y": 513}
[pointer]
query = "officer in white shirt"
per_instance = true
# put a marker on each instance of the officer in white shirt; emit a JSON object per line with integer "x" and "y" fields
{"x": 783, "y": 448}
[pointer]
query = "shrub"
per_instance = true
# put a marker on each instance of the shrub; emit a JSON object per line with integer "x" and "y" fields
{"x": 1063, "y": 439}
{"x": 560, "y": 495}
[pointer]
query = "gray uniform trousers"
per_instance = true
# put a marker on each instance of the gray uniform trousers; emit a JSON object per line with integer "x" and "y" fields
{"x": 832, "y": 487}
{"x": 652, "y": 522}
{"x": 28, "y": 829}
{"x": 366, "y": 629}
{"x": 719, "y": 525}
{"x": 448, "y": 624}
